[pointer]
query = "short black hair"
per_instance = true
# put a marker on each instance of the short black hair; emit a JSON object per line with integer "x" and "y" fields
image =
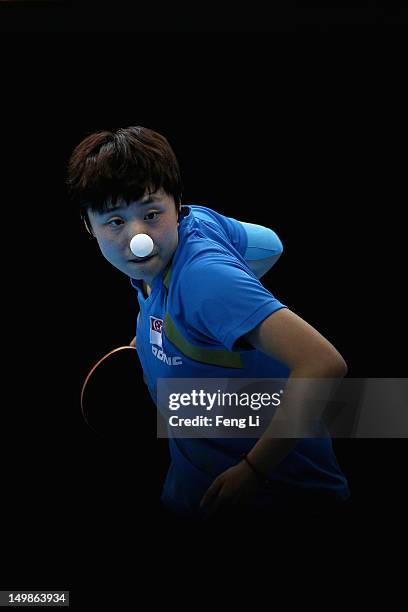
{"x": 122, "y": 164}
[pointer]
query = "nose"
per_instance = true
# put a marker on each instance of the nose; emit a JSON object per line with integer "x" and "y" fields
{"x": 134, "y": 227}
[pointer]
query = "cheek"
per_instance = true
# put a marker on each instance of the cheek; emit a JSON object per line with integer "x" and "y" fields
{"x": 172, "y": 240}
{"x": 169, "y": 239}
{"x": 107, "y": 249}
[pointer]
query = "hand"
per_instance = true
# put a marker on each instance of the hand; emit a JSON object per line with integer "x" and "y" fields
{"x": 234, "y": 487}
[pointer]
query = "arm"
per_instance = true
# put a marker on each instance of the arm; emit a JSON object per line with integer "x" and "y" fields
{"x": 309, "y": 355}
{"x": 263, "y": 250}
{"x": 263, "y": 246}
{"x": 290, "y": 339}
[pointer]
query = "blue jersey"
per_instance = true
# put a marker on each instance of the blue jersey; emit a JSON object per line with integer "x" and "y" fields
{"x": 191, "y": 326}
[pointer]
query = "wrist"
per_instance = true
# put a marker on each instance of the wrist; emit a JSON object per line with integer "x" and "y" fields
{"x": 251, "y": 467}
{"x": 248, "y": 472}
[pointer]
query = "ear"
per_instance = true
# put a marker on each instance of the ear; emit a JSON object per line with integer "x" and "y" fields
{"x": 87, "y": 223}
{"x": 179, "y": 209}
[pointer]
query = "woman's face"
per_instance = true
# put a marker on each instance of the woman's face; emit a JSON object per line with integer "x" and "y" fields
{"x": 156, "y": 215}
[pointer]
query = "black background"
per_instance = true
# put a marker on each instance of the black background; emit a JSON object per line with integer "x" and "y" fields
{"x": 360, "y": 16}
{"x": 303, "y": 136}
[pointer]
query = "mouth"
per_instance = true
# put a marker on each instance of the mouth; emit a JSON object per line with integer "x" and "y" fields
{"x": 139, "y": 260}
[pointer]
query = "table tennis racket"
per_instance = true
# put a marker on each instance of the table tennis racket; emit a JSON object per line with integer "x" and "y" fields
{"x": 110, "y": 391}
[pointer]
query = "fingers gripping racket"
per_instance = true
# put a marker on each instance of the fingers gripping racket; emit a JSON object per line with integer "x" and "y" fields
{"x": 109, "y": 391}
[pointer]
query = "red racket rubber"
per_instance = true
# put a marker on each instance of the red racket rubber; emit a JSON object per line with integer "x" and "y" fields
{"x": 91, "y": 372}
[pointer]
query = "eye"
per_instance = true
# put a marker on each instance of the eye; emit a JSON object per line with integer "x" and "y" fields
{"x": 150, "y": 216}
{"x": 115, "y": 222}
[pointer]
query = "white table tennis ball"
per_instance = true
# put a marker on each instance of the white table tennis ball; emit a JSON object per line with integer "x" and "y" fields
{"x": 141, "y": 245}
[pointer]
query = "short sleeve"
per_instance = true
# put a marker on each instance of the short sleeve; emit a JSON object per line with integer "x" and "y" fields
{"x": 237, "y": 234}
{"x": 222, "y": 300}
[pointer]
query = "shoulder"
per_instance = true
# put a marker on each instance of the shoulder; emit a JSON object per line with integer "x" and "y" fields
{"x": 205, "y": 213}
{"x": 201, "y": 225}
{"x": 215, "y": 220}
{"x": 212, "y": 260}
{"x": 214, "y": 273}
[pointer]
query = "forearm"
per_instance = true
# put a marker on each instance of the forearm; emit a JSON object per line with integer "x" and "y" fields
{"x": 305, "y": 397}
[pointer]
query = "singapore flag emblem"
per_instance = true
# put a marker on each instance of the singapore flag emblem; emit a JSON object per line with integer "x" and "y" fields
{"x": 156, "y": 326}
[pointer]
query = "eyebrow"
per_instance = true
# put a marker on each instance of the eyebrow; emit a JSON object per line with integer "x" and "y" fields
{"x": 116, "y": 208}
